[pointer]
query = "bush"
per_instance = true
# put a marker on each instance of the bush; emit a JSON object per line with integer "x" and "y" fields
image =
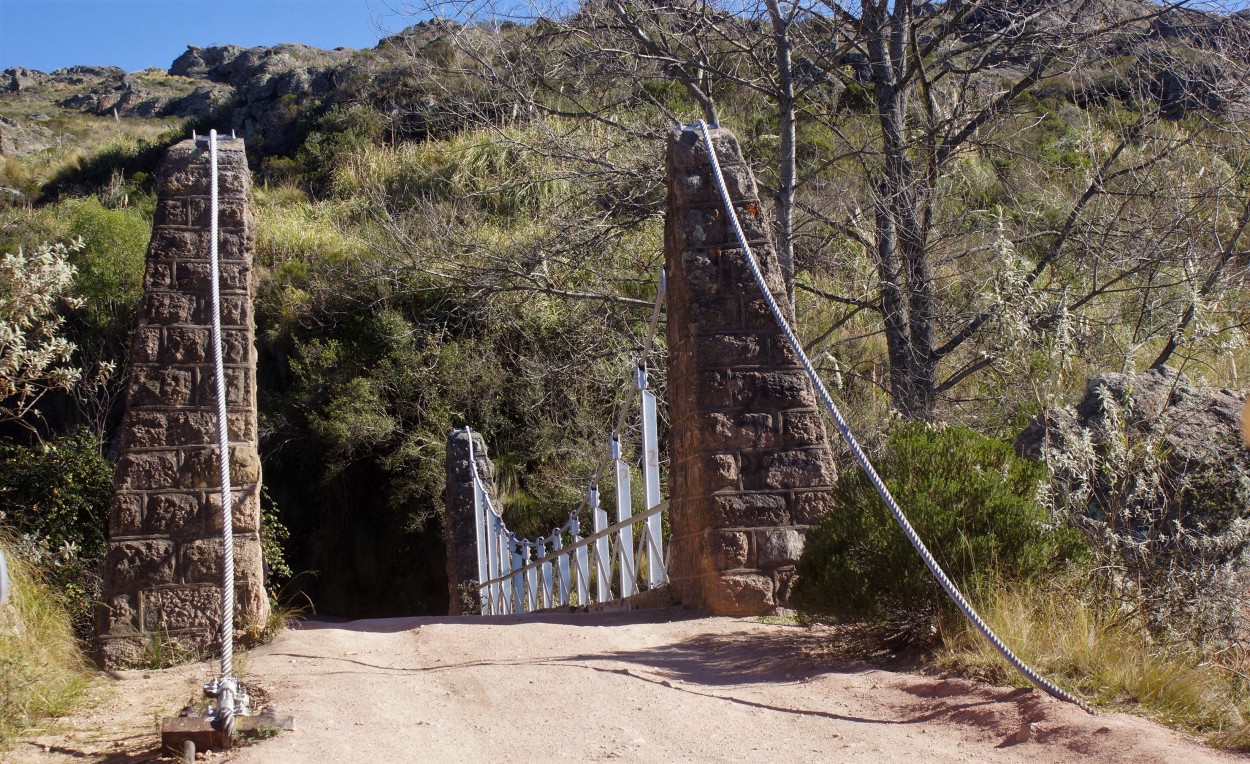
{"x": 970, "y": 498}
{"x": 110, "y": 266}
{"x": 56, "y": 495}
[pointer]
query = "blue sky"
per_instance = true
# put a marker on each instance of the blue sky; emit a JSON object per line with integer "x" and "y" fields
{"x": 136, "y": 34}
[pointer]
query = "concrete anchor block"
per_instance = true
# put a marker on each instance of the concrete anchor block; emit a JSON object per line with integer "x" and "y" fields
{"x": 205, "y": 732}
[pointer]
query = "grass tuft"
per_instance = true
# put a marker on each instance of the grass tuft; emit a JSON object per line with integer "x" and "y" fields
{"x": 43, "y": 673}
{"x": 1106, "y": 657}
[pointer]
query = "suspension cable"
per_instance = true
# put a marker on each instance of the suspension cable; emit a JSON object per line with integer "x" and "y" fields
{"x": 228, "y": 685}
{"x": 949, "y": 586}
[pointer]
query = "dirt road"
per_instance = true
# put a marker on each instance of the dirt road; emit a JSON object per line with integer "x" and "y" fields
{"x": 654, "y": 686}
{"x": 651, "y": 686}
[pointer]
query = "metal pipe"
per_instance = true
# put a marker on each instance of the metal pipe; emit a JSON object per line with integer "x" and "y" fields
{"x": 624, "y": 510}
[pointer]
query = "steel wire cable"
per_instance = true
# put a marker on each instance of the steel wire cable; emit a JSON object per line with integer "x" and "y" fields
{"x": 934, "y": 568}
{"x": 225, "y": 698}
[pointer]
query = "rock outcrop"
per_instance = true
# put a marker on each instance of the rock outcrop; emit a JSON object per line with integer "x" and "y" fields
{"x": 1154, "y": 469}
{"x": 20, "y": 78}
{"x": 17, "y": 139}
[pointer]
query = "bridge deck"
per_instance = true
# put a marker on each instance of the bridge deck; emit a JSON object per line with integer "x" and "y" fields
{"x": 648, "y": 685}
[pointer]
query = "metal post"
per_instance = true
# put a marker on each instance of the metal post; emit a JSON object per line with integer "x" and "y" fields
{"x": 505, "y": 566}
{"x": 544, "y": 575}
{"x": 582, "y": 564}
{"x": 624, "y": 510}
{"x": 479, "y": 522}
{"x": 562, "y": 566}
{"x": 492, "y": 562}
{"x": 518, "y": 579}
{"x": 656, "y": 573}
{"x": 603, "y": 563}
{"x": 531, "y": 578}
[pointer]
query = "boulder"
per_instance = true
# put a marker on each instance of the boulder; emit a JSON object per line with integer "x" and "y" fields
{"x": 1154, "y": 468}
{"x": 202, "y": 103}
{"x": 20, "y": 78}
{"x": 17, "y": 139}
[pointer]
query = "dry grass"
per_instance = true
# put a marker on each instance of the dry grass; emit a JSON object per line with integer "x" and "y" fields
{"x": 78, "y": 138}
{"x": 43, "y": 673}
{"x": 1107, "y": 658}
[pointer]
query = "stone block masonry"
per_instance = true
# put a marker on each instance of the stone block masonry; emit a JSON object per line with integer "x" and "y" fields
{"x": 460, "y": 527}
{"x": 162, "y": 576}
{"x": 751, "y": 467}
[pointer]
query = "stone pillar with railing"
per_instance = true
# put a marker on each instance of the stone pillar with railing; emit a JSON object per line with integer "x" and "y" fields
{"x": 460, "y": 526}
{"x": 751, "y": 466}
{"x": 162, "y": 576}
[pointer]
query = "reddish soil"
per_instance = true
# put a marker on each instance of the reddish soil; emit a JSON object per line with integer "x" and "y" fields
{"x": 646, "y": 685}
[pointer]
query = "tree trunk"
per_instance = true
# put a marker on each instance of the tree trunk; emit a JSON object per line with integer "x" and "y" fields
{"x": 900, "y": 196}
{"x": 784, "y": 197}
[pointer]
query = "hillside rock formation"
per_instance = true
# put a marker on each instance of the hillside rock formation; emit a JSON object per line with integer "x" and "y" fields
{"x": 1154, "y": 465}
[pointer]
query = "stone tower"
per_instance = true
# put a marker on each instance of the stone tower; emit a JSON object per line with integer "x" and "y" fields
{"x": 751, "y": 466}
{"x": 163, "y": 571}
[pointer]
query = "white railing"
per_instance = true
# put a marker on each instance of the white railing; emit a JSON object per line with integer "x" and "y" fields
{"x": 564, "y": 567}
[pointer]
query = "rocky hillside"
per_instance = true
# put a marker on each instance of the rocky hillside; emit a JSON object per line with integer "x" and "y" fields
{"x": 269, "y": 95}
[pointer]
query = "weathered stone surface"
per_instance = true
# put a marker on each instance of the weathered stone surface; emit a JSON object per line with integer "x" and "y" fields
{"x": 164, "y": 562}
{"x": 121, "y": 650}
{"x": 729, "y": 549}
{"x": 722, "y": 472}
{"x": 177, "y": 608}
{"x": 789, "y": 469}
{"x": 126, "y": 514}
{"x": 739, "y": 594}
{"x": 778, "y": 546}
{"x": 200, "y": 467}
{"x": 154, "y": 386}
{"x": 137, "y": 471}
{"x": 801, "y": 428}
{"x": 132, "y": 563}
{"x": 170, "y": 308}
{"x": 751, "y": 463}
{"x": 244, "y": 509}
{"x": 809, "y": 507}
{"x": 173, "y": 514}
{"x": 748, "y": 510}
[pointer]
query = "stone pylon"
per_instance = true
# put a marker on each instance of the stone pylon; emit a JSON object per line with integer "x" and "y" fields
{"x": 751, "y": 465}
{"x": 162, "y": 576}
{"x": 460, "y": 527}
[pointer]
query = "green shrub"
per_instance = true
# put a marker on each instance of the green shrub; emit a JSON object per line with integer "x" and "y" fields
{"x": 56, "y": 495}
{"x": 110, "y": 267}
{"x": 971, "y": 500}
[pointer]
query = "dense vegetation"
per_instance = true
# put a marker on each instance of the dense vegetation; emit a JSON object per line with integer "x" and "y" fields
{"x": 463, "y": 227}
{"x": 971, "y": 500}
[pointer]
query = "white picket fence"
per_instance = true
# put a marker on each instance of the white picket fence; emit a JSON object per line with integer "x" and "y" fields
{"x": 564, "y": 567}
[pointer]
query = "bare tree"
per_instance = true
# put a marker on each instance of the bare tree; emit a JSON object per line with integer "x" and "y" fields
{"x": 909, "y": 101}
